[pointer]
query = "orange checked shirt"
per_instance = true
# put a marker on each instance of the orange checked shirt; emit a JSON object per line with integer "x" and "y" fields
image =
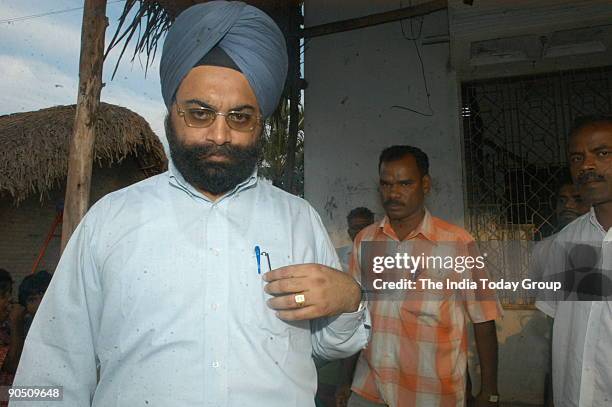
{"x": 417, "y": 355}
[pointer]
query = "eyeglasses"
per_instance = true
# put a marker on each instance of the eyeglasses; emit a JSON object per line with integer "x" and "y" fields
{"x": 201, "y": 117}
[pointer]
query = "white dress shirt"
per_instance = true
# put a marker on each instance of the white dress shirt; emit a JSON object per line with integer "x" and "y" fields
{"x": 344, "y": 254}
{"x": 158, "y": 292}
{"x": 582, "y": 330}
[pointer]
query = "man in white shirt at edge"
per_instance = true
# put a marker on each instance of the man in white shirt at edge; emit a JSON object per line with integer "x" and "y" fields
{"x": 203, "y": 285}
{"x": 582, "y": 330}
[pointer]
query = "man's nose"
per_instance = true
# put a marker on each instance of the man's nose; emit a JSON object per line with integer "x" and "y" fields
{"x": 570, "y": 204}
{"x": 395, "y": 190}
{"x": 588, "y": 163}
{"x": 219, "y": 132}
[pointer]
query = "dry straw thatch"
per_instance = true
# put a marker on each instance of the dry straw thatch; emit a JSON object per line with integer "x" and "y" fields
{"x": 34, "y": 146}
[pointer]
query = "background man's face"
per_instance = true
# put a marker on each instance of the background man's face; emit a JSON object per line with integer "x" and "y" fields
{"x": 570, "y": 205}
{"x": 590, "y": 157}
{"x": 402, "y": 187}
{"x": 356, "y": 224}
{"x": 216, "y": 158}
{"x": 33, "y": 302}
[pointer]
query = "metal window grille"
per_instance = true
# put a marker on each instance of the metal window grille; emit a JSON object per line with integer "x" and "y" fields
{"x": 515, "y": 137}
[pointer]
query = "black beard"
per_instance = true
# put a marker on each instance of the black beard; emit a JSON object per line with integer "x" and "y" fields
{"x": 215, "y": 178}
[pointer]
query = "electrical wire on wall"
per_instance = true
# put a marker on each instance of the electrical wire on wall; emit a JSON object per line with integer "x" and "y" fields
{"x": 12, "y": 20}
{"x": 414, "y": 38}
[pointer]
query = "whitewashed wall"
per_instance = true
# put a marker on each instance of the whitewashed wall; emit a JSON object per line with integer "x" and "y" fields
{"x": 354, "y": 79}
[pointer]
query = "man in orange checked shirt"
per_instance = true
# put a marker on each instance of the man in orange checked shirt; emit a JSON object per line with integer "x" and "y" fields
{"x": 417, "y": 356}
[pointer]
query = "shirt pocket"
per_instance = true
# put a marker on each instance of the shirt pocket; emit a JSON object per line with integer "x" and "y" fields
{"x": 256, "y": 312}
{"x": 260, "y": 318}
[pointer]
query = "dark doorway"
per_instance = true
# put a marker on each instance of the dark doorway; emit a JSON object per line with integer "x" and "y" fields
{"x": 515, "y": 136}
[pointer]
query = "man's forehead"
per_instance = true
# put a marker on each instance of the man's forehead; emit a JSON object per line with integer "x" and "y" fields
{"x": 398, "y": 176}
{"x": 406, "y": 164}
{"x": 212, "y": 73}
{"x": 592, "y": 135}
{"x": 212, "y": 85}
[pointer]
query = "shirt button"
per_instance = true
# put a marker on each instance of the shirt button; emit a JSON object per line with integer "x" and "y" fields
{"x": 215, "y": 364}
{"x": 214, "y": 306}
{"x": 215, "y": 251}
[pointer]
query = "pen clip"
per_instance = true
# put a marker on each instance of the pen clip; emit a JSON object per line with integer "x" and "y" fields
{"x": 267, "y": 258}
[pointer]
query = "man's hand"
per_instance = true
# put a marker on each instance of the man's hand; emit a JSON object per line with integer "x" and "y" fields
{"x": 342, "y": 395}
{"x": 326, "y": 291}
{"x": 481, "y": 400}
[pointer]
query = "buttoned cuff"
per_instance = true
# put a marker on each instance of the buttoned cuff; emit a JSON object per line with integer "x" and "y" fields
{"x": 351, "y": 321}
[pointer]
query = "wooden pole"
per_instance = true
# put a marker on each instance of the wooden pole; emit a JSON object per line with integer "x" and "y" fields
{"x": 375, "y": 19}
{"x": 81, "y": 144}
{"x": 293, "y": 47}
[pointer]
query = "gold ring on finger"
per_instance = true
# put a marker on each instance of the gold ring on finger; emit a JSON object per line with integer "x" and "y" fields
{"x": 300, "y": 299}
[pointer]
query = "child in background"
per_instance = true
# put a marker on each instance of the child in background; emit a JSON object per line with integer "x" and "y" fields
{"x": 11, "y": 330}
{"x": 31, "y": 291}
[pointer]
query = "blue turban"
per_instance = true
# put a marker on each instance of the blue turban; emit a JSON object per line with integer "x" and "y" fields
{"x": 246, "y": 34}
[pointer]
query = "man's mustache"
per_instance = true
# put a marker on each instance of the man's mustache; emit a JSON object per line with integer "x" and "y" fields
{"x": 589, "y": 177}
{"x": 204, "y": 151}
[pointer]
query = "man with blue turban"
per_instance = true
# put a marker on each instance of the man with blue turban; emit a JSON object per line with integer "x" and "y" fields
{"x": 202, "y": 286}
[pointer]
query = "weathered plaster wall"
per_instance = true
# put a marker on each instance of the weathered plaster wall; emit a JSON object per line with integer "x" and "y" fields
{"x": 354, "y": 81}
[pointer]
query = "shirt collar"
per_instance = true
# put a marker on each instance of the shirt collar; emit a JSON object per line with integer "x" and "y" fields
{"x": 425, "y": 229}
{"x": 595, "y": 222}
{"x": 176, "y": 178}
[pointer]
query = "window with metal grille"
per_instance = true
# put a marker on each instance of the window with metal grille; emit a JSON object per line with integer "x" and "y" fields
{"x": 515, "y": 135}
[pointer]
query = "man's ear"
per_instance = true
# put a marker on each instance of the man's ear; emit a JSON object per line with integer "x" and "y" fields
{"x": 426, "y": 181}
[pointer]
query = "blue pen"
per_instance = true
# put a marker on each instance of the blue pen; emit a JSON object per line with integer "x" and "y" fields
{"x": 258, "y": 256}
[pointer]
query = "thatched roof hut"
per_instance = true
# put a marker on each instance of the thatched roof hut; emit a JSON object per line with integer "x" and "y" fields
{"x": 34, "y": 146}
